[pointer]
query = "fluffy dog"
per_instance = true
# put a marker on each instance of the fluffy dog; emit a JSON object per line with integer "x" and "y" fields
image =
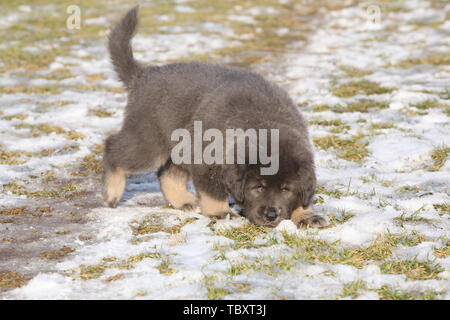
{"x": 164, "y": 98}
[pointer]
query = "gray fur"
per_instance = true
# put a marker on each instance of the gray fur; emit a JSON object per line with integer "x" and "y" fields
{"x": 164, "y": 98}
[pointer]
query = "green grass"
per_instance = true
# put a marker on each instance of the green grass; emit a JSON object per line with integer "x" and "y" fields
{"x": 387, "y": 293}
{"x": 67, "y": 191}
{"x": 89, "y": 165}
{"x": 57, "y": 254}
{"x": 413, "y": 269}
{"x": 439, "y": 156}
{"x": 443, "y": 251}
{"x": 436, "y": 59}
{"x": 153, "y": 224}
{"x": 382, "y": 126}
{"x": 272, "y": 266}
{"x": 165, "y": 268}
{"x": 363, "y": 106}
{"x": 99, "y": 112}
{"x": 335, "y": 193}
{"x": 351, "y": 289}
{"x": 308, "y": 249}
{"x": 443, "y": 208}
{"x": 89, "y": 272}
{"x": 354, "y": 72}
{"x": 343, "y": 218}
{"x": 243, "y": 236}
{"x": 216, "y": 293}
{"x": 349, "y": 149}
{"x": 11, "y": 279}
{"x": 337, "y": 125}
{"x": 353, "y": 88}
{"x": 213, "y": 292}
{"x": 413, "y": 217}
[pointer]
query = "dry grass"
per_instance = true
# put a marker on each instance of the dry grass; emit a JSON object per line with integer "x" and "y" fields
{"x": 12, "y": 279}
{"x": 353, "y": 88}
{"x": 348, "y": 149}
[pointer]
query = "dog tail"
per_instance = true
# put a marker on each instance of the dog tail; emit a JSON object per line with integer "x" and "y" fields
{"x": 119, "y": 45}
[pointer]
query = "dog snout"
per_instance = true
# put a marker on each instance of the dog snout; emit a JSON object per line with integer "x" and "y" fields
{"x": 271, "y": 213}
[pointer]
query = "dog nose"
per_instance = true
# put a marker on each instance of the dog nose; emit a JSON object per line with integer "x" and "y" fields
{"x": 271, "y": 214}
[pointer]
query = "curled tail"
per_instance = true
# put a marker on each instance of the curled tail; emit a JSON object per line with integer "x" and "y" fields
{"x": 120, "y": 47}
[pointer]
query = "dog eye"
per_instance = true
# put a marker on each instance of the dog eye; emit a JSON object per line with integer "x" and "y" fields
{"x": 285, "y": 189}
{"x": 260, "y": 188}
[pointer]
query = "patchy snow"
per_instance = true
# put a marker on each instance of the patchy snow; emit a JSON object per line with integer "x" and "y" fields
{"x": 391, "y": 191}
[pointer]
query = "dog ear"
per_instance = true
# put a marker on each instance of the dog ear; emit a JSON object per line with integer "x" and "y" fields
{"x": 307, "y": 186}
{"x": 234, "y": 180}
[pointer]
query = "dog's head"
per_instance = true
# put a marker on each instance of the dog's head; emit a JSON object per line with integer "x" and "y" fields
{"x": 269, "y": 199}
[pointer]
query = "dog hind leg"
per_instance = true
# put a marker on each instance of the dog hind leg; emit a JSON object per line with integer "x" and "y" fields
{"x": 124, "y": 154}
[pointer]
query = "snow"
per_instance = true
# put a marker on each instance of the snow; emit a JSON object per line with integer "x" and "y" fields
{"x": 397, "y": 158}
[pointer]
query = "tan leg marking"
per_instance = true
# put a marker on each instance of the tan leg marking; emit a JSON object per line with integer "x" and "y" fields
{"x": 173, "y": 183}
{"x": 212, "y": 207}
{"x": 306, "y": 217}
{"x": 113, "y": 187}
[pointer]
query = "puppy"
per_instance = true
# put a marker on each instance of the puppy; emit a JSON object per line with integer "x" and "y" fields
{"x": 163, "y": 99}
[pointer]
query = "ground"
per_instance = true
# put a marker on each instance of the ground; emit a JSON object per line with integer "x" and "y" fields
{"x": 371, "y": 78}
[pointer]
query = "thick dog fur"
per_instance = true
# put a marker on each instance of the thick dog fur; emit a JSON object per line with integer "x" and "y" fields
{"x": 164, "y": 98}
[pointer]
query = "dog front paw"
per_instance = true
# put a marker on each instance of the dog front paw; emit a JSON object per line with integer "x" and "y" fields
{"x": 304, "y": 218}
{"x": 188, "y": 207}
{"x": 314, "y": 221}
{"x": 219, "y": 215}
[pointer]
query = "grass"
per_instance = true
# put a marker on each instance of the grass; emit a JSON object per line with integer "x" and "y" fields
{"x": 439, "y": 156}
{"x": 15, "y": 211}
{"x": 49, "y": 28}
{"x": 115, "y": 277}
{"x": 100, "y": 112}
{"x": 363, "y": 106}
{"x": 354, "y": 72}
{"x": 348, "y": 149}
{"x": 12, "y": 279}
{"x": 153, "y": 225}
{"x": 430, "y": 104}
{"x": 271, "y": 265}
{"x": 45, "y": 128}
{"x": 443, "y": 208}
{"x": 57, "y": 254}
{"x": 382, "y": 126}
{"x": 344, "y": 217}
{"x": 308, "y": 249}
{"x": 164, "y": 267}
{"x": 427, "y": 104}
{"x": 413, "y": 217}
{"x": 351, "y": 289}
{"x": 408, "y": 189}
{"x": 243, "y": 236}
{"x": 335, "y": 193}
{"x": 92, "y": 271}
{"x": 89, "y": 272}
{"x": 413, "y": 269}
{"x": 214, "y": 293}
{"x": 16, "y": 116}
{"x": 89, "y": 164}
{"x": 337, "y": 125}
{"x": 387, "y": 293}
{"x": 436, "y": 59}
{"x": 67, "y": 191}
{"x": 443, "y": 251}
{"x": 353, "y": 88}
